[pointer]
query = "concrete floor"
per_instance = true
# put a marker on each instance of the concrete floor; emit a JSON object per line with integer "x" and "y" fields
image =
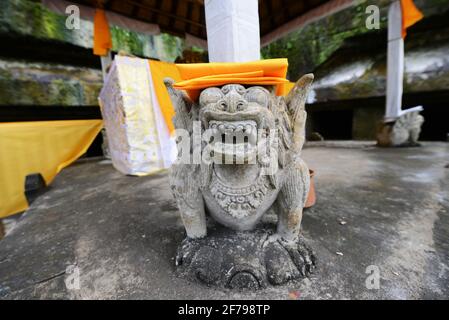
{"x": 122, "y": 232}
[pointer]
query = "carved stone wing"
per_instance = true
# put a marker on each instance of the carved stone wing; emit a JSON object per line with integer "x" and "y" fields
{"x": 182, "y": 104}
{"x": 296, "y": 100}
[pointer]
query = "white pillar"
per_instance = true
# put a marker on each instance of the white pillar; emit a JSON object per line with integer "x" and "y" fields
{"x": 395, "y": 63}
{"x": 232, "y": 30}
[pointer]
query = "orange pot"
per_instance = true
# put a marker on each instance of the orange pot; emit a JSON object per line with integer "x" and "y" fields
{"x": 311, "y": 197}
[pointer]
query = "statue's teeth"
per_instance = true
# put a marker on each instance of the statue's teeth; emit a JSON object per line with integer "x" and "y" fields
{"x": 252, "y": 138}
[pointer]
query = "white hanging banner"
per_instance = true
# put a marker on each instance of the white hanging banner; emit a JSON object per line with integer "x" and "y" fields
{"x": 395, "y": 63}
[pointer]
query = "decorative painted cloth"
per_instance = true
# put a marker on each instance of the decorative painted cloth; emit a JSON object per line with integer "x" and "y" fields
{"x": 137, "y": 115}
{"x": 44, "y": 147}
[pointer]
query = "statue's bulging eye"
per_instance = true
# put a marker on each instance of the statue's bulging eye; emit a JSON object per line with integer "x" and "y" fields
{"x": 233, "y": 87}
{"x": 221, "y": 105}
{"x": 258, "y": 95}
{"x": 210, "y": 95}
{"x": 241, "y": 90}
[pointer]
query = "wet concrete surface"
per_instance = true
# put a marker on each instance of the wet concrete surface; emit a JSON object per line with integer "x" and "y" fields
{"x": 387, "y": 208}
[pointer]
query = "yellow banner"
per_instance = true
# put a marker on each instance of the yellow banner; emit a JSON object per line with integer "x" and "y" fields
{"x": 44, "y": 147}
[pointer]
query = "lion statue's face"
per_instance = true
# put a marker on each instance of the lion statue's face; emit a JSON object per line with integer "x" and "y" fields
{"x": 239, "y": 119}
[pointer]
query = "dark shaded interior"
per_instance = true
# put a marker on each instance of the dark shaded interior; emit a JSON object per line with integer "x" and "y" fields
{"x": 334, "y": 119}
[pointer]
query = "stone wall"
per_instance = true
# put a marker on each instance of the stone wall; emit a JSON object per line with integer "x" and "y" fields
{"x": 426, "y": 70}
{"x": 30, "y": 18}
{"x": 349, "y": 62}
{"x": 34, "y": 83}
{"x": 59, "y": 68}
{"x": 312, "y": 45}
{"x": 365, "y": 121}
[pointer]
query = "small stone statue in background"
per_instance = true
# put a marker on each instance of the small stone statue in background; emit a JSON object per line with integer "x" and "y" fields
{"x": 404, "y": 132}
{"x": 240, "y": 186}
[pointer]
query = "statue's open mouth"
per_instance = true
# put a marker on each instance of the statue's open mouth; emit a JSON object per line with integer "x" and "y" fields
{"x": 238, "y": 137}
{"x": 236, "y": 141}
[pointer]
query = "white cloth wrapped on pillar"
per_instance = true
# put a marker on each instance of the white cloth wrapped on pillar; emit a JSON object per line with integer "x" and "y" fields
{"x": 232, "y": 30}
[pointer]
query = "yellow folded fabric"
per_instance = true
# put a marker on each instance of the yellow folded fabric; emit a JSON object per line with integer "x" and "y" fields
{"x": 44, "y": 147}
{"x": 159, "y": 71}
{"x": 410, "y": 15}
{"x": 197, "y": 76}
{"x": 102, "y": 35}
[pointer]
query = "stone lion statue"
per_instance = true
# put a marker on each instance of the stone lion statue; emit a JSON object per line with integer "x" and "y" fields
{"x": 237, "y": 184}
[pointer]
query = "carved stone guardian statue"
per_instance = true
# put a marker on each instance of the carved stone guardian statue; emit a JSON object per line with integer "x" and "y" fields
{"x": 404, "y": 132}
{"x": 242, "y": 204}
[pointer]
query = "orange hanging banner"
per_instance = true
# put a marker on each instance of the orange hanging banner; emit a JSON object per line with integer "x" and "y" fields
{"x": 102, "y": 35}
{"x": 410, "y": 15}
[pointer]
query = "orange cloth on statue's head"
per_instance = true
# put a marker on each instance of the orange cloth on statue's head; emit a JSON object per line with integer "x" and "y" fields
{"x": 197, "y": 76}
{"x": 410, "y": 15}
{"x": 102, "y": 36}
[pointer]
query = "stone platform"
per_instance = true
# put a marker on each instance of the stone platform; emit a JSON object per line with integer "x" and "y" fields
{"x": 244, "y": 260}
{"x": 387, "y": 208}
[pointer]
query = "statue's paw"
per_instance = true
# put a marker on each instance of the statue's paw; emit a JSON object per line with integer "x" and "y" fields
{"x": 279, "y": 265}
{"x": 287, "y": 260}
{"x": 302, "y": 255}
{"x": 204, "y": 259}
{"x": 186, "y": 251}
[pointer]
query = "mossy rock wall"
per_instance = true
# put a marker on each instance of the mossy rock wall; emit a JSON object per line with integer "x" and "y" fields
{"x": 313, "y": 48}
{"x": 312, "y": 45}
{"x": 30, "y": 81}
{"x": 30, "y": 18}
{"x": 426, "y": 70}
{"x": 24, "y": 83}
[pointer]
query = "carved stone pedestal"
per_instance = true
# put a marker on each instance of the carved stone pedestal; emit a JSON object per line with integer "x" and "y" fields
{"x": 244, "y": 260}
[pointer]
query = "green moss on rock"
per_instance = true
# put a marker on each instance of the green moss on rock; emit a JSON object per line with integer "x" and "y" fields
{"x": 24, "y": 83}
{"x": 310, "y": 46}
{"x": 29, "y": 18}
